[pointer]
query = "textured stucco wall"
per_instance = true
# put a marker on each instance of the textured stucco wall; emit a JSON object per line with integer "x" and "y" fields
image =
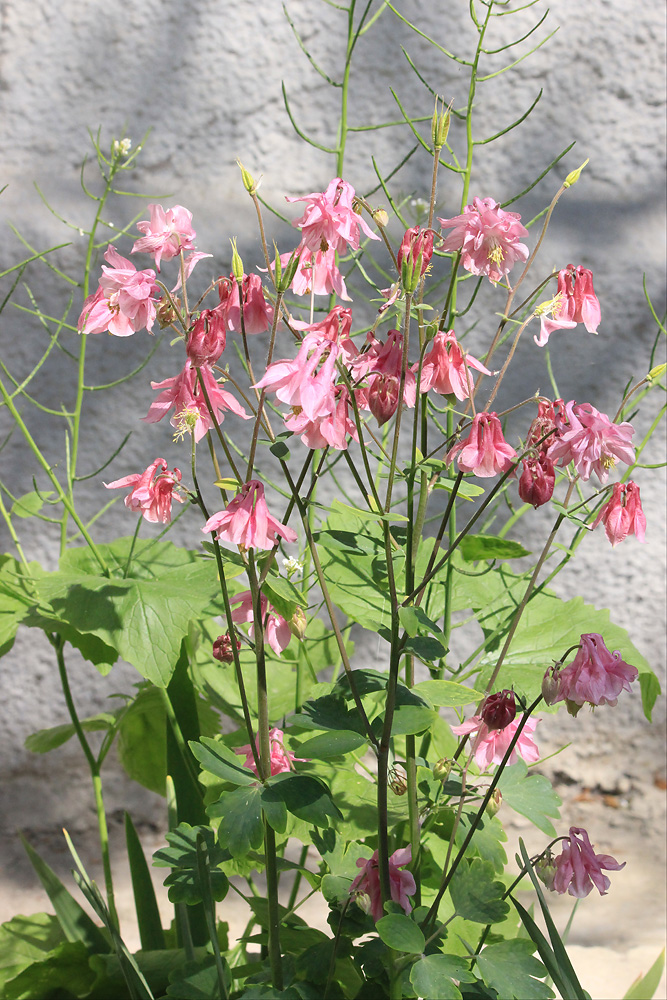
{"x": 205, "y": 75}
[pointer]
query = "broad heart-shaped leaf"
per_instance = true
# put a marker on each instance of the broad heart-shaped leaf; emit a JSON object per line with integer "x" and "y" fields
{"x": 510, "y": 968}
{"x": 474, "y": 547}
{"x": 219, "y": 760}
{"x": 241, "y": 829}
{"x": 532, "y": 795}
{"x": 304, "y": 795}
{"x": 447, "y": 694}
{"x": 476, "y": 894}
{"x": 400, "y": 933}
{"x": 144, "y": 617}
{"x": 432, "y": 976}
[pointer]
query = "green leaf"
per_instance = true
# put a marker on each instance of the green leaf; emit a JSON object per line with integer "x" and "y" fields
{"x": 145, "y": 903}
{"x": 65, "y": 971}
{"x": 357, "y": 579}
{"x": 198, "y": 983}
{"x": 30, "y": 503}
{"x": 644, "y": 987}
{"x": 401, "y": 933}
{"x": 218, "y": 759}
{"x": 510, "y": 968}
{"x": 241, "y": 829}
{"x": 532, "y": 795}
{"x": 475, "y": 893}
{"x": 275, "y": 810}
{"x": 474, "y": 547}
{"x": 426, "y": 647}
{"x": 184, "y": 882}
{"x": 280, "y": 450}
{"x": 17, "y": 590}
{"x": 333, "y": 744}
{"x": 305, "y": 796}
{"x": 408, "y": 720}
{"x": 328, "y": 712}
{"x": 24, "y": 940}
{"x": 45, "y": 740}
{"x": 363, "y": 514}
{"x": 432, "y": 976}
{"x": 447, "y": 694}
{"x": 487, "y": 841}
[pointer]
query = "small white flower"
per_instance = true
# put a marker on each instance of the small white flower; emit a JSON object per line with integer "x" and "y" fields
{"x": 121, "y": 147}
{"x": 292, "y": 566}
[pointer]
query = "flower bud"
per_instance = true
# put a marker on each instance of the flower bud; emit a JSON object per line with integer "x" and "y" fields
{"x": 442, "y": 769}
{"x": 247, "y": 178}
{"x": 237, "y": 263}
{"x": 397, "y": 782}
{"x": 440, "y": 125}
{"x": 494, "y": 803}
{"x": 551, "y": 684}
{"x": 546, "y": 869}
{"x": 285, "y": 277}
{"x": 298, "y": 623}
{"x": 414, "y": 256}
{"x": 363, "y": 901}
{"x": 536, "y": 485}
{"x": 381, "y": 218}
{"x": 499, "y": 710}
{"x": 656, "y": 373}
{"x": 574, "y": 175}
{"x": 222, "y": 648}
{"x": 207, "y": 338}
{"x": 383, "y": 397}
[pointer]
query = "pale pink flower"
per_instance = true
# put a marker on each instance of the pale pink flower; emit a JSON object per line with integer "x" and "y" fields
{"x": 575, "y": 302}
{"x": 257, "y": 312}
{"x": 596, "y": 676}
{"x": 488, "y": 238}
{"x": 384, "y": 360}
{"x": 183, "y": 394}
{"x": 329, "y": 220}
{"x": 485, "y": 452}
{"x": 579, "y": 868}
{"x": 317, "y": 272}
{"x": 591, "y": 441}
{"x": 300, "y": 383}
{"x": 189, "y": 264}
{"x": 207, "y": 338}
{"x": 246, "y": 520}
{"x": 335, "y": 328}
{"x": 490, "y": 745}
{"x": 276, "y": 629}
{"x": 281, "y": 757}
{"x": 152, "y": 491}
{"x": 330, "y": 429}
{"x": 445, "y": 367}
{"x": 167, "y": 233}
{"x": 124, "y": 301}
{"x": 622, "y": 515}
{"x": 402, "y": 883}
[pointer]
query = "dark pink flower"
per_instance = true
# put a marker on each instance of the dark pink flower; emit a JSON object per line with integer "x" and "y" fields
{"x": 257, "y": 313}
{"x": 167, "y": 233}
{"x": 574, "y": 302}
{"x": 383, "y": 397}
{"x": 498, "y": 710}
{"x": 335, "y": 328}
{"x": 414, "y": 256}
{"x": 317, "y": 272}
{"x": 488, "y": 238}
{"x": 536, "y": 485}
{"x": 579, "y": 868}
{"x": 383, "y": 360}
{"x": 152, "y": 491}
{"x": 489, "y": 746}
{"x": 330, "y": 221}
{"x": 402, "y": 883}
{"x": 622, "y": 515}
{"x": 485, "y": 452}
{"x": 223, "y": 649}
{"x": 276, "y": 629}
{"x": 445, "y": 367}
{"x": 207, "y": 338}
{"x": 246, "y": 520}
{"x": 591, "y": 441}
{"x": 595, "y": 677}
{"x": 124, "y": 301}
{"x": 329, "y": 429}
{"x": 281, "y": 757}
{"x": 183, "y": 395}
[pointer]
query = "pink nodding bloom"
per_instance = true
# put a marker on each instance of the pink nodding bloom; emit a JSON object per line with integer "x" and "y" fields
{"x": 152, "y": 491}
{"x": 414, "y": 254}
{"x": 124, "y": 301}
{"x": 207, "y": 338}
{"x": 334, "y": 328}
{"x": 591, "y": 441}
{"x": 488, "y": 238}
{"x": 330, "y": 221}
{"x": 329, "y": 429}
{"x": 445, "y": 367}
{"x": 246, "y": 520}
{"x": 183, "y": 394}
{"x": 579, "y": 868}
{"x": 257, "y": 313}
{"x": 575, "y": 302}
{"x": 281, "y": 757}
{"x": 276, "y": 629}
{"x": 167, "y": 233}
{"x": 622, "y": 515}
{"x": 490, "y": 745}
{"x": 485, "y": 452}
{"x": 384, "y": 360}
{"x": 536, "y": 485}
{"x": 402, "y": 883}
{"x": 317, "y": 272}
{"x": 596, "y": 676}
{"x": 300, "y": 382}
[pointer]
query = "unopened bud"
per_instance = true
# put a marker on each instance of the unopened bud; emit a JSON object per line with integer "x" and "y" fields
{"x": 656, "y": 373}
{"x": 494, "y": 803}
{"x": 442, "y": 769}
{"x": 248, "y": 179}
{"x": 222, "y": 648}
{"x": 383, "y": 397}
{"x": 363, "y": 901}
{"x": 166, "y": 314}
{"x": 237, "y": 263}
{"x": 545, "y": 869}
{"x": 381, "y": 218}
{"x": 574, "y": 175}
{"x": 551, "y": 684}
{"x": 440, "y": 125}
{"x": 414, "y": 256}
{"x": 298, "y": 623}
{"x": 357, "y": 207}
{"x": 499, "y": 710}
{"x": 397, "y": 782}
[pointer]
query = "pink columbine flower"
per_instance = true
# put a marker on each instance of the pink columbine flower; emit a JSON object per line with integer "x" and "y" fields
{"x": 183, "y": 394}
{"x": 574, "y": 302}
{"x": 152, "y": 491}
{"x": 538, "y": 479}
{"x": 317, "y": 272}
{"x": 622, "y": 515}
{"x": 223, "y": 649}
{"x": 596, "y": 676}
{"x": 402, "y": 883}
{"x": 445, "y": 367}
{"x": 124, "y": 301}
{"x": 276, "y": 629}
{"x": 281, "y": 757}
{"x": 246, "y": 520}
{"x": 167, "y": 233}
{"x": 383, "y": 360}
{"x": 208, "y": 337}
{"x": 491, "y": 745}
{"x": 414, "y": 256}
{"x": 591, "y": 441}
{"x": 330, "y": 221}
{"x": 488, "y": 238}
{"x": 498, "y": 710}
{"x": 485, "y": 452}
{"x": 329, "y": 429}
{"x": 300, "y": 382}
{"x": 579, "y": 868}
{"x": 334, "y": 328}
{"x": 257, "y": 313}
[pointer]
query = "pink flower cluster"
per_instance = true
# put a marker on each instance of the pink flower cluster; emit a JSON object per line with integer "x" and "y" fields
{"x": 167, "y": 233}
{"x": 246, "y": 520}
{"x": 124, "y": 301}
{"x": 487, "y": 237}
{"x": 152, "y": 491}
{"x": 591, "y": 441}
{"x": 281, "y": 758}
{"x": 578, "y": 868}
{"x": 402, "y": 883}
{"x": 595, "y": 677}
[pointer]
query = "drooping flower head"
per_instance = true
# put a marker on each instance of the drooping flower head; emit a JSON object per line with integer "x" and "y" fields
{"x": 166, "y": 234}
{"x": 307, "y": 381}
{"x": 491, "y": 745}
{"x": 276, "y": 631}
{"x": 402, "y": 883}
{"x": 485, "y": 452}
{"x": 579, "y": 868}
{"x": 183, "y": 394}
{"x": 591, "y": 441}
{"x": 499, "y": 710}
{"x": 330, "y": 221}
{"x": 622, "y": 515}
{"x": 257, "y": 312}
{"x": 574, "y": 302}
{"x": 330, "y": 429}
{"x": 281, "y": 757}
{"x": 414, "y": 256}
{"x": 445, "y": 367}
{"x": 208, "y": 337}
{"x": 124, "y": 301}
{"x": 152, "y": 491}
{"x": 222, "y": 648}
{"x": 246, "y": 520}
{"x": 488, "y": 238}
{"x": 596, "y": 676}
{"x": 318, "y": 272}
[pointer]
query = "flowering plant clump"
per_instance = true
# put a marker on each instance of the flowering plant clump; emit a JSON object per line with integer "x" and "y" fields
{"x": 325, "y": 474}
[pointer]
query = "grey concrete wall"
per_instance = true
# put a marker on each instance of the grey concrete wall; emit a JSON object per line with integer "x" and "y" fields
{"x": 205, "y": 75}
